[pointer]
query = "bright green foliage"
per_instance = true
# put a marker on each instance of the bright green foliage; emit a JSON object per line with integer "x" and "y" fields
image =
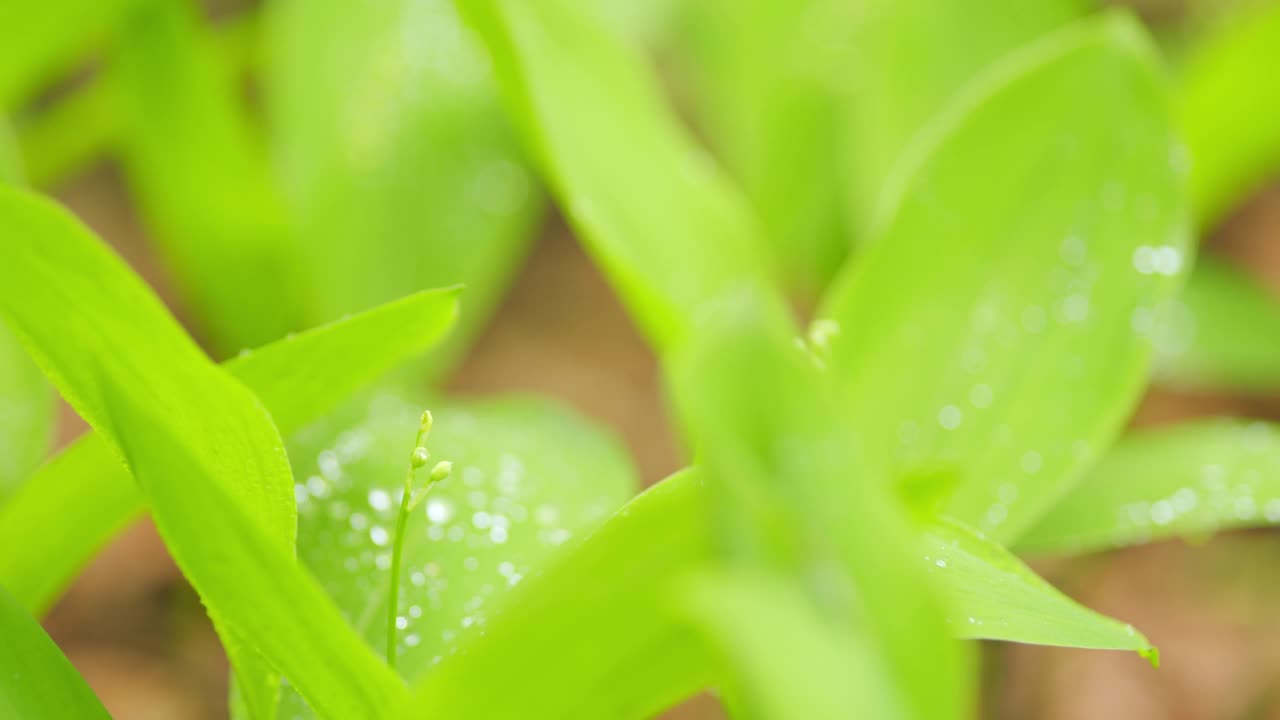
{"x": 1186, "y": 480}
{"x": 1223, "y": 332}
{"x": 1229, "y": 96}
{"x": 999, "y": 330}
{"x": 761, "y": 82}
{"x": 992, "y": 595}
{"x": 71, "y": 506}
{"x": 785, "y": 480}
{"x": 26, "y": 404}
{"x": 36, "y": 680}
{"x": 905, "y": 62}
{"x": 528, "y": 477}
{"x": 201, "y": 179}
{"x": 43, "y": 39}
{"x": 670, "y": 231}
{"x": 201, "y": 447}
{"x": 840, "y": 679}
{"x": 594, "y": 634}
{"x": 396, "y": 163}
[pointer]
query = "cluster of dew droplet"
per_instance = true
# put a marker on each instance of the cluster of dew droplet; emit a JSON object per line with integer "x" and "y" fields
{"x": 480, "y": 531}
{"x": 1228, "y": 490}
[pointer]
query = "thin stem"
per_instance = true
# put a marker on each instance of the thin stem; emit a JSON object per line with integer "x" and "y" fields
{"x": 393, "y": 601}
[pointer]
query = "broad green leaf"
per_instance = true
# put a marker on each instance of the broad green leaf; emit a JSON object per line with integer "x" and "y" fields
{"x": 906, "y": 62}
{"x": 26, "y": 403}
{"x": 395, "y": 157}
{"x": 202, "y": 448}
{"x": 1222, "y": 332}
{"x": 669, "y": 230}
{"x": 786, "y": 629}
{"x": 992, "y": 595}
{"x": 70, "y": 507}
{"x": 1000, "y": 330}
{"x": 1227, "y": 97}
{"x": 785, "y": 479}
{"x": 36, "y": 679}
{"x": 594, "y": 634}
{"x": 43, "y": 39}
{"x": 1186, "y": 480}
{"x": 759, "y": 72}
{"x": 528, "y": 477}
{"x": 202, "y": 181}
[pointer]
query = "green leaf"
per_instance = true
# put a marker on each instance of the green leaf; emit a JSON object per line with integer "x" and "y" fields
{"x": 36, "y": 679}
{"x": 759, "y": 70}
{"x": 396, "y": 159}
{"x": 70, "y": 507}
{"x": 840, "y": 673}
{"x": 785, "y": 479}
{"x": 594, "y": 633}
{"x": 992, "y": 595}
{"x": 528, "y": 478}
{"x": 1226, "y": 99}
{"x": 999, "y": 330}
{"x": 201, "y": 447}
{"x": 905, "y": 63}
{"x": 46, "y": 38}
{"x": 669, "y": 231}
{"x": 1222, "y": 332}
{"x": 203, "y": 181}
{"x": 1186, "y": 480}
{"x": 10, "y": 162}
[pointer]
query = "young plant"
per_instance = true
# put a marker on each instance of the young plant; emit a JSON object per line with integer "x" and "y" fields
{"x": 1023, "y": 219}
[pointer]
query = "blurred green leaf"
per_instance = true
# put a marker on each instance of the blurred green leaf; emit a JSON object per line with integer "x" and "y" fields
{"x": 760, "y": 79}
{"x": 1228, "y": 97}
{"x": 785, "y": 480}
{"x": 669, "y": 230}
{"x": 202, "y": 448}
{"x": 73, "y": 504}
{"x": 1223, "y": 332}
{"x": 202, "y": 180}
{"x": 36, "y": 679}
{"x": 528, "y": 478}
{"x": 26, "y": 402}
{"x": 594, "y": 633}
{"x": 1185, "y": 480}
{"x": 395, "y": 157}
{"x": 1001, "y": 329}
{"x": 907, "y": 61}
{"x": 840, "y": 675}
{"x": 47, "y": 38}
{"x": 992, "y": 595}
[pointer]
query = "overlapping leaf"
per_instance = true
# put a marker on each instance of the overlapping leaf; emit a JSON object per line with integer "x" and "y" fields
{"x": 528, "y": 479}
{"x": 670, "y": 231}
{"x": 201, "y": 447}
{"x": 999, "y": 328}
{"x": 70, "y": 507}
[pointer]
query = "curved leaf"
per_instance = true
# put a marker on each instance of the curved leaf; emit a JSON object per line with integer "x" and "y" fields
{"x": 200, "y": 445}
{"x": 992, "y": 595}
{"x": 1186, "y": 480}
{"x": 670, "y": 231}
{"x": 69, "y": 508}
{"x": 1007, "y": 345}
{"x": 594, "y": 633}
